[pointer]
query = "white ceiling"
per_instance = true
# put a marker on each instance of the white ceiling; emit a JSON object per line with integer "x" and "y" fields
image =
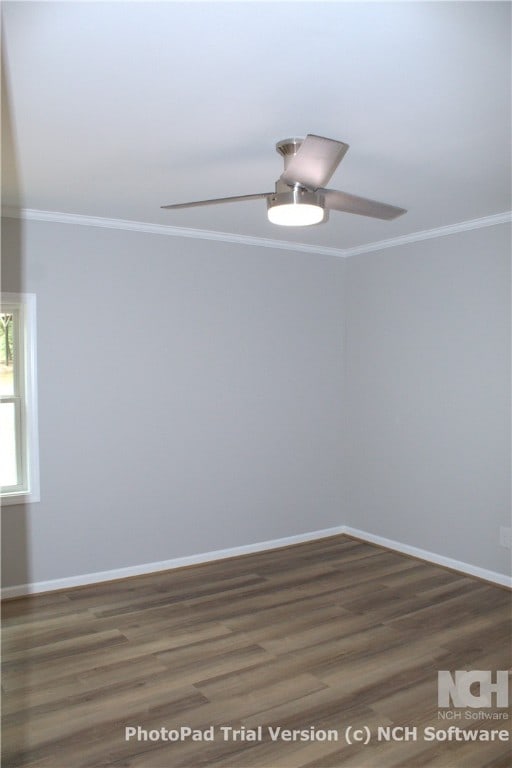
{"x": 118, "y": 108}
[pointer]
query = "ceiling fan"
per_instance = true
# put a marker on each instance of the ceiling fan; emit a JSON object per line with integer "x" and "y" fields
{"x": 300, "y": 198}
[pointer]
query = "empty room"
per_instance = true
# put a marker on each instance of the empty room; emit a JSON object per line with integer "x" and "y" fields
{"x": 255, "y": 379}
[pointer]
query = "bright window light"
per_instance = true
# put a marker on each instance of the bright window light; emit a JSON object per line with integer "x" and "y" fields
{"x": 19, "y": 467}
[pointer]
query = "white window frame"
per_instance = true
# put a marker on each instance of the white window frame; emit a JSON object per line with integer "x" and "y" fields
{"x": 25, "y": 395}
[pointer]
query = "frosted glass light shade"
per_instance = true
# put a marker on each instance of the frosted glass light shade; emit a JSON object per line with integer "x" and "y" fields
{"x": 295, "y": 214}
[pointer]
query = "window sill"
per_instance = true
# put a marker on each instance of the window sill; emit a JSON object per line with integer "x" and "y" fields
{"x": 19, "y": 497}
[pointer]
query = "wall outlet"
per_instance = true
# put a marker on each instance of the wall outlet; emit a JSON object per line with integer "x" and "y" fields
{"x": 506, "y": 537}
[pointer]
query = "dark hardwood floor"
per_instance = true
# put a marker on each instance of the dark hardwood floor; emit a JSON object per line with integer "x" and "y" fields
{"x": 315, "y": 637}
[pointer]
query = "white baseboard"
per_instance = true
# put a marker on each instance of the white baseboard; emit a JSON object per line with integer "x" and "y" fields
{"x": 81, "y": 580}
{"x": 455, "y": 565}
{"x": 33, "y": 588}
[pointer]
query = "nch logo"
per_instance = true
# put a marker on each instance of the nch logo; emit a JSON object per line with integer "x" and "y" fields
{"x": 460, "y": 693}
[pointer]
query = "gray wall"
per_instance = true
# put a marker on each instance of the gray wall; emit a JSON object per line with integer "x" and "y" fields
{"x": 196, "y": 396}
{"x": 189, "y": 397}
{"x": 428, "y": 394}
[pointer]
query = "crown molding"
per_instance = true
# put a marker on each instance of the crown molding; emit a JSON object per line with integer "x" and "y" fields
{"x": 428, "y": 234}
{"x": 30, "y": 214}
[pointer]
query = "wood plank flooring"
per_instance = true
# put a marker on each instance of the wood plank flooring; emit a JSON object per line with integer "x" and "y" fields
{"x": 317, "y": 637}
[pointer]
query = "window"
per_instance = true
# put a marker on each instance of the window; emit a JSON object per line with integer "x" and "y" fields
{"x": 19, "y": 465}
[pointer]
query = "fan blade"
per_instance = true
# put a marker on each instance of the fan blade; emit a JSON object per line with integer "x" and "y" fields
{"x": 258, "y": 196}
{"x": 315, "y": 162}
{"x": 342, "y": 201}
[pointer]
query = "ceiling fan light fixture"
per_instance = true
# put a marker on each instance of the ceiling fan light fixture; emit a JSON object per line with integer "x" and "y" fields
{"x": 296, "y": 208}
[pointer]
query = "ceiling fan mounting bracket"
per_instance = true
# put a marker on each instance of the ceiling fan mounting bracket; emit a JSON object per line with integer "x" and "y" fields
{"x": 288, "y": 148}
